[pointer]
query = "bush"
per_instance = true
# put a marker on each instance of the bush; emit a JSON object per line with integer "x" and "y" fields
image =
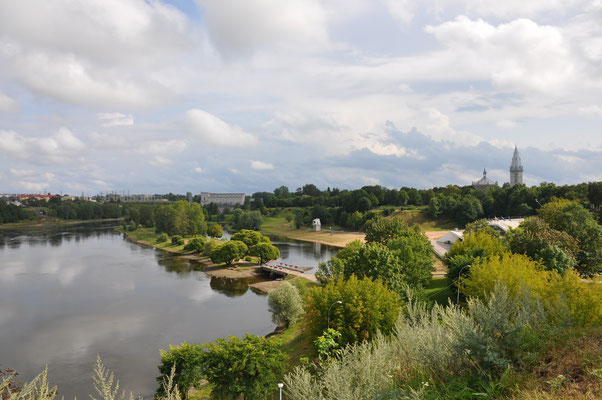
{"x": 285, "y": 304}
{"x": 188, "y": 361}
{"x": 265, "y": 252}
{"x": 248, "y": 367}
{"x": 228, "y": 252}
{"x": 177, "y": 240}
{"x": 197, "y": 245}
{"x": 215, "y": 230}
{"x": 132, "y": 226}
{"x": 367, "y": 307}
{"x": 162, "y": 238}
{"x": 562, "y": 296}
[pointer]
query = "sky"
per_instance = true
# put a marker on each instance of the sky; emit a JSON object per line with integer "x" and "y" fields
{"x": 175, "y": 96}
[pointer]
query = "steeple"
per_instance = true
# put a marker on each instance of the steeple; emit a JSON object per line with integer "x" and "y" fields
{"x": 516, "y": 169}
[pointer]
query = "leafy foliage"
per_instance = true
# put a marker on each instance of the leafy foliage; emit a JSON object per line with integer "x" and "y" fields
{"x": 228, "y": 252}
{"x": 215, "y": 230}
{"x": 250, "y": 237}
{"x": 180, "y": 218}
{"x": 265, "y": 252}
{"x": 162, "y": 238}
{"x": 368, "y": 306}
{"x": 247, "y": 367}
{"x": 184, "y": 363}
{"x": 197, "y": 245}
{"x": 285, "y": 304}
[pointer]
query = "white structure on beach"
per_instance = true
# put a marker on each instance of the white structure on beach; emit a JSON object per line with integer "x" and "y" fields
{"x": 317, "y": 224}
{"x": 222, "y": 199}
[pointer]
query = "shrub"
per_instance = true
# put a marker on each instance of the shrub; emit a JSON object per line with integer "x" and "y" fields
{"x": 228, "y": 252}
{"x": 162, "y": 238}
{"x": 562, "y": 296}
{"x": 367, "y": 307}
{"x": 176, "y": 239}
{"x": 197, "y": 245}
{"x": 247, "y": 367}
{"x": 215, "y": 230}
{"x": 187, "y": 359}
{"x": 285, "y": 304}
{"x": 132, "y": 226}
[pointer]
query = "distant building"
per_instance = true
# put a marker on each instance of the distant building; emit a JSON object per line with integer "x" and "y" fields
{"x": 516, "y": 169}
{"x": 484, "y": 182}
{"x": 317, "y": 224}
{"x": 222, "y": 199}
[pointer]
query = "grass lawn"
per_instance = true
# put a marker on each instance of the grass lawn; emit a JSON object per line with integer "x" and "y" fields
{"x": 425, "y": 221}
{"x": 439, "y": 291}
{"x": 279, "y": 226}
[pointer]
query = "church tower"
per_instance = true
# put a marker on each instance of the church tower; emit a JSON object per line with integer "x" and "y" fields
{"x": 516, "y": 169}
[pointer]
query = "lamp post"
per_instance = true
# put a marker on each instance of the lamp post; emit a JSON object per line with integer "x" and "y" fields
{"x": 280, "y": 385}
{"x": 459, "y": 275}
{"x": 329, "y": 308}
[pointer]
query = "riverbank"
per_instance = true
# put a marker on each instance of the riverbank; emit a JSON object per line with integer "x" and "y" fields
{"x": 51, "y": 222}
{"x": 241, "y": 269}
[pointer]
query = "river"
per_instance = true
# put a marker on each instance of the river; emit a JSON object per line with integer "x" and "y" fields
{"x": 70, "y": 293}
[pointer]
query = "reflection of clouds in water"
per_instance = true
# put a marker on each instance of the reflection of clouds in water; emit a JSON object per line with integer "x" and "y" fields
{"x": 11, "y": 269}
{"x": 6, "y": 313}
{"x": 77, "y": 335}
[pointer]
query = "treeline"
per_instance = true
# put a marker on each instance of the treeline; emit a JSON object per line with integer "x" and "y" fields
{"x": 67, "y": 210}
{"x": 12, "y": 213}
{"x": 189, "y": 219}
{"x": 461, "y": 204}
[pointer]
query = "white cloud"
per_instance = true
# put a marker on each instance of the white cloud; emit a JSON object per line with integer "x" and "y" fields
{"x": 116, "y": 119}
{"x": 242, "y": 27}
{"x": 56, "y": 148}
{"x": 261, "y": 165}
{"x": 591, "y": 110}
{"x": 401, "y": 10}
{"x": 198, "y": 170}
{"x": 517, "y": 55}
{"x": 215, "y": 131}
{"x": 8, "y": 105}
{"x": 160, "y": 161}
{"x": 506, "y": 123}
{"x": 97, "y": 52}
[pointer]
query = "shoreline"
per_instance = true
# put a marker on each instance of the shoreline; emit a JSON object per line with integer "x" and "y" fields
{"x": 238, "y": 270}
{"x": 47, "y": 223}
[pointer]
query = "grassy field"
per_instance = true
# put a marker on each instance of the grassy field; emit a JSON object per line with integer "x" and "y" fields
{"x": 279, "y": 226}
{"x": 426, "y": 222}
{"x": 439, "y": 291}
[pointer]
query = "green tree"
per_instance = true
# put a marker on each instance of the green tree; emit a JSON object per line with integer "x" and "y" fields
{"x": 249, "y": 367}
{"x": 367, "y": 307}
{"x": 226, "y": 252}
{"x": 265, "y": 252}
{"x": 197, "y": 245}
{"x": 572, "y": 218}
{"x": 250, "y": 237}
{"x": 535, "y": 238}
{"x": 285, "y": 304}
{"x": 480, "y": 225}
{"x": 215, "y": 230}
{"x": 188, "y": 361}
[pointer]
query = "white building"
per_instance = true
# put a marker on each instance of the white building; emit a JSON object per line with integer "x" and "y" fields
{"x": 222, "y": 199}
{"x": 317, "y": 224}
{"x": 484, "y": 182}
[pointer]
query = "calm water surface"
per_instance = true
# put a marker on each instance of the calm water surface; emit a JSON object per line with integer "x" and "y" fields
{"x": 67, "y": 295}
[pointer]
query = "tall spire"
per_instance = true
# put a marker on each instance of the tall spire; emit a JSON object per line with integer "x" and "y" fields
{"x": 516, "y": 162}
{"x": 516, "y": 168}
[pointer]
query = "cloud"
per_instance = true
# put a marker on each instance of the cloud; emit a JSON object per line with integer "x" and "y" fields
{"x": 98, "y": 52}
{"x": 198, "y": 170}
{"x": 52, "y": 149}
{"x": 215, "y": 131}
{"x": 401, "y": 10}
{"x": 8, "y": 105}
{"x": 243, "y": 27}
{"x": 261, "y": 165}
{"x": 517, "y": 55}
{"x": 160, "y": 161}
{"x": 116, "y": 119}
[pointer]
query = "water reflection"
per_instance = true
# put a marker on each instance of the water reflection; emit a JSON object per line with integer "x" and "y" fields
{"x": 232, "y": 287}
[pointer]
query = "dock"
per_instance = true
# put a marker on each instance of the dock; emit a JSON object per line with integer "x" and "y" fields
{"x": 283, "y": 270}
